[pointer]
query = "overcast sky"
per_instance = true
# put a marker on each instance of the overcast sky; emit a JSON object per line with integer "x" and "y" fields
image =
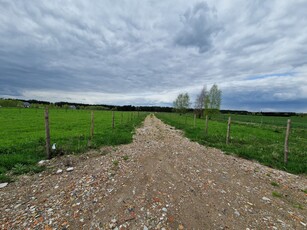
{"x": 146, "y": 52}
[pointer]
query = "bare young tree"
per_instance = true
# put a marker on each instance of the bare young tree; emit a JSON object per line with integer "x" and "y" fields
{"x": 182, "y": 103}
{"x": 213, "y": 100}
{"x": 200, "y": 102}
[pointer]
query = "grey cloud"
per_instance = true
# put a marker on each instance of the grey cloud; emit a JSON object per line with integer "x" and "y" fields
{"x": 117, "y": 52}
{"x": 200, "y": 25}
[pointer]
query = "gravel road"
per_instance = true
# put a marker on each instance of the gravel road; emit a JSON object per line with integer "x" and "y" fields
{"x": 160, "y": 181}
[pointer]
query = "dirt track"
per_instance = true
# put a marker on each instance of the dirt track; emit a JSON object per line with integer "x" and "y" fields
{"x": 166, "y": 182}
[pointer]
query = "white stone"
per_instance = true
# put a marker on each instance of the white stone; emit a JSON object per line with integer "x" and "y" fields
{"x": 70, "y": 169}
{"x": 237, "y": 213}
{"x": 265, "y": 199}
{"x": 43, "y": 162}
{"x": 164, "y": 209}
{"x": 59, "y": 171}
{"x": 2, "y": 185}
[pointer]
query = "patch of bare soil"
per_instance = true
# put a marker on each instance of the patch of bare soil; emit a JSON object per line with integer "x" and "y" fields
{"x": 160, "y": 181}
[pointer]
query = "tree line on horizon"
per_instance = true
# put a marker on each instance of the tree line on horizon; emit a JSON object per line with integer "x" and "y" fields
{"x": 199, "y": 108}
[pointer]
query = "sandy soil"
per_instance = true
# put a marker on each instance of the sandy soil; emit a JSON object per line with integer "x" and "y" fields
{"x": 167, "y": 182}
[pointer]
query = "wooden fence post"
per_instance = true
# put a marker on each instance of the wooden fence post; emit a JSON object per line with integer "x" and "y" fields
{"x": 113, "y": 123}
{"x": 92, "y": 125}
{"x": 287, "y": 141}
{"x": 228, "y": 131}
{"x": 206, "y": 128}
{"x": 194, "y": 120}
{"x": 47, "y": 133}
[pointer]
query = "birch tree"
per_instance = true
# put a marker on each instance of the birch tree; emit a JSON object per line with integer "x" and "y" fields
{"x": 213, "y": 100}
{"x": 182, "y": 103}
{"x": 200, "y": 102}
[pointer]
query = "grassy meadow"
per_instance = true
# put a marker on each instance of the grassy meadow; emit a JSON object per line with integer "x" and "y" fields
{"x": 22, "y": 134}
{"x": 259, "y": 138}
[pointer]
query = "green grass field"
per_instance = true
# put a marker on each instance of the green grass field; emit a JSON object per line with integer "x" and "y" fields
{"x": 250, "y": 138}
{"x": 22, "y": 134}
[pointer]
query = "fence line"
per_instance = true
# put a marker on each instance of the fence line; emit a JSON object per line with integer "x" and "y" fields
{"x": 113, "y": 120}
{"x": 287, "y": 141}
{"x": 47, "y": 131}
{"x": 206, "y": 128}
{"x": 92, "y": 125}
{"x": 228, "y": 131}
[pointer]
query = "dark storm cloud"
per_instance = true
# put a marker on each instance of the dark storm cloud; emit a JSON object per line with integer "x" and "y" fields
{"x": 146, "y": 52}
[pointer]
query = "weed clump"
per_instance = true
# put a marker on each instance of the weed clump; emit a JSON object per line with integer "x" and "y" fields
{"x": 125, "y": 157}
{"x": 275, "y": 184}
{"x": 276, "y": 194}
{"x": 115, "y": 163}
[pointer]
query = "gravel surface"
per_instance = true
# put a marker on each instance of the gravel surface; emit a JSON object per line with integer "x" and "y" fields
{"x": 160, "y": 181}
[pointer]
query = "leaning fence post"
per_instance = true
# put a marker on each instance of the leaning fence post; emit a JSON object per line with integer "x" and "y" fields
{"x": 194, "y": 120}
{"x": 228, "y": 131}
{"x": 92, "y": 125}
{"x": 287, "y": 141}
{"x": 113, "y": 123}
{"x": 47, "y": 133}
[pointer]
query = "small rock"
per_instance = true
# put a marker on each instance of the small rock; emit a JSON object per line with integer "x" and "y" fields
{"x": 164, "y": 209}
{"x": 70, "y": 169}
{"x": 265, "y": 199}
{"x": 2, "y": 185}
{"x": 180, "y": 227}
{"x": 43, "y": 162}
{"x": 302, "y": 223}
{"x": 145, "y": 228}
{"x": 237, "y": 213}
{"x": 59, "y": 171}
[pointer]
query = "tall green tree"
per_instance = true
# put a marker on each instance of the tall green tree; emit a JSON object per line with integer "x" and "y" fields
{"x": 182, "y": 103}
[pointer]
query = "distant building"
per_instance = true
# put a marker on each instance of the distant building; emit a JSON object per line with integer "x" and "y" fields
{"x": 26, "y": 105}
{"x": 72, "y": 107}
